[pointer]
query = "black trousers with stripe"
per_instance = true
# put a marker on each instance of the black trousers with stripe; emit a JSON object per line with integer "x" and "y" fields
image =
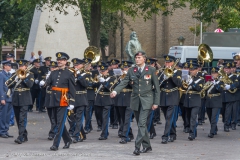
{"x": 126, "y": 117}
{"x": 62, "y": 132}
{"x": 21, "y": 119}
{"x": 150, "y": 120}
{"x": 170, "y": 128}
{"x": 192, "y": 114}
{"x": 53, "y": 120}
{"x": 213, "y": 115}
{"x": 105, "y": 110}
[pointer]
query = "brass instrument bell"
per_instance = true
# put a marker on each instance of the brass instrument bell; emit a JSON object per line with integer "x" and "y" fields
{"x": 93, "y": 53}
{"x": 205, "y": 53}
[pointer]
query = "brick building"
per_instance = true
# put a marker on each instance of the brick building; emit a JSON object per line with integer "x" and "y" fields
{"x": 158, "y": 34}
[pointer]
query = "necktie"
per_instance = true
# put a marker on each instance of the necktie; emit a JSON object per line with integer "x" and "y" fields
{"x": 140, "y": 70}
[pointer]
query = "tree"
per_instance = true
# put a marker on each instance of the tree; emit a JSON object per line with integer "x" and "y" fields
{"x": 15, "y": 23}
{"x": 229, "y": 19}
{"x": 213, "y": 9}
{"x": 145, "y": 8}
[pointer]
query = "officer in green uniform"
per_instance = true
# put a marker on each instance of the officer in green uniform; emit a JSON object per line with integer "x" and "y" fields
{"x": 143, "y": 78}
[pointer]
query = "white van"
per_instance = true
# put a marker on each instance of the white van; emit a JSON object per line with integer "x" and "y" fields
{"x": 191, "y": 52}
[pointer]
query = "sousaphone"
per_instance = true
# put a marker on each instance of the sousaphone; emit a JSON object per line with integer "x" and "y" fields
{"x": 205, "y": 53}
{"x": 93, "y": 53}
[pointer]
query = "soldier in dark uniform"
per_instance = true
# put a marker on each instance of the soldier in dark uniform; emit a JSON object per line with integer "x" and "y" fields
{"x": 150, "y": 121}
{"x": 103, "y": 101}
{"x": 169, "y": 99}
{"x": 62, "y": 83}
{"x": 10, "y": 57}
{"x": 229, "y": 99}
{"x": 90, "y": 95}
{"x": 21, "y": 99}
{"x": 202, "y": 110}
{"x": 234, "y": 112}
{"x": 50, "y": 109}
{"x": 35, "y": 90}
{"x": 98, "y": 115}
{"x": 123, "y": 104}
{"x": 236, "y": 59}
{"x": 82, "y": 80}
{"x": 214, "y": 101}
{"x": 68, "y": 65}
{"x": 157, "y": 114}
{"x": 192, "y": 100}
{"x": 6, "y": 100}
{"x": 186, "y": 123}
{"x": 43, "y": 71}
{"x": 114, "y": 110}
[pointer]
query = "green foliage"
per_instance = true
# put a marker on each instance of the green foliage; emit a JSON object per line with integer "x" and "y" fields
{"x": 213, "y": 9}
{"x": 15, "y": 23}
{"x": 230, "y": 19}
{"x": 197, "y": 30}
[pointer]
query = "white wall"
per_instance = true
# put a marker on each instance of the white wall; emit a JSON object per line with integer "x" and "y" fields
{"x": 69, "y": 36}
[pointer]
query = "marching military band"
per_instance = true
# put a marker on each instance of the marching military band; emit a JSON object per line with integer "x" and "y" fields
{"x": 73, "y": 93}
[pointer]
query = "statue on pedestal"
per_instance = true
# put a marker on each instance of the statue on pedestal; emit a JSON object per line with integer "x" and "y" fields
{"x": 133, "y": 46}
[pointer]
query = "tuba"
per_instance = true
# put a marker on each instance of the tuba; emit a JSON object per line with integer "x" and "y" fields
{"x": 205, "y": 53}
{"x": 93, "y": 53}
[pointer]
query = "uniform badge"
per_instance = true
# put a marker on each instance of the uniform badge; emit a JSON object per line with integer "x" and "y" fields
{"x": 147, "y": 76}
{"x": 59, "y": 55}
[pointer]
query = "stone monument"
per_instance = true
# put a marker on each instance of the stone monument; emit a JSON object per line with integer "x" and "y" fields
{"x": 133, "y": 46}
{"x": 69, "y": 34}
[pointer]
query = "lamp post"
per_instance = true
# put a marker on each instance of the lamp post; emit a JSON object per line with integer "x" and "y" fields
{"x": 181, "y": 40}
{"x": 198, "y": 15}
{"x": 1, "y": 33}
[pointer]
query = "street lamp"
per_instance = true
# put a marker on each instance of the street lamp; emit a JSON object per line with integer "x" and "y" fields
{"x": 181, "y": 40}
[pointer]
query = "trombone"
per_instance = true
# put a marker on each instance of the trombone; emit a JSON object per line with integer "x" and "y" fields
{"x": 169, "y": 71}
{"x": 21, "y": 75}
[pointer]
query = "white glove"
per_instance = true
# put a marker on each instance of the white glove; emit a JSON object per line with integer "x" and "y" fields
{"x": 108, "y": 79}
{"x": 101, "y": 79}
{"x": 78, "y": 72}
{"x": 83, "y": 74}
{"x": 36, "y": 81}
{"x": 165, "y": 77}
{"x": 175, "y": 71}
{"x": 70, "y": 107}
{"x": 27, "y": 74}
{"x": 124, "y": 72}
{"x": 47, "y": 76}
{"x": 227, "y": 87}
{"x": 190, "y": 81}
{"x": 213, "y": 82}
{"x": 113, "y": 94}
{"x": 41, "y": 83}
{"x": 16, "y": 78}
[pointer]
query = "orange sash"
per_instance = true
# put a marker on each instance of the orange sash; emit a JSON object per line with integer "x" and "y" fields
{"x": 63, "y": 99}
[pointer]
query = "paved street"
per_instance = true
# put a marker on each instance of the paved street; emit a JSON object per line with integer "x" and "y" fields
{"x": 224, "y": 146}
